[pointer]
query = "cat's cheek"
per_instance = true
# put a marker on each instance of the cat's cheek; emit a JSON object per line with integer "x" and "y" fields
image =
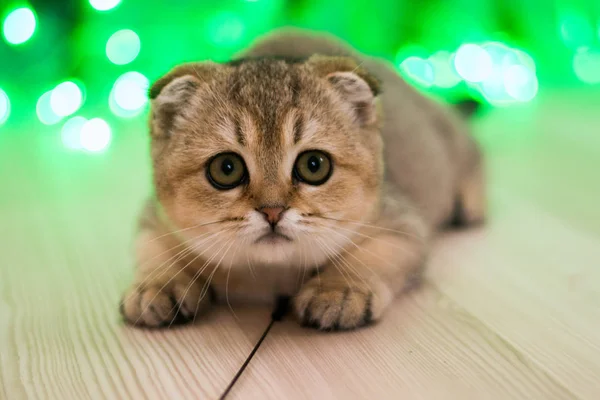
{"x": 196, "y": 203}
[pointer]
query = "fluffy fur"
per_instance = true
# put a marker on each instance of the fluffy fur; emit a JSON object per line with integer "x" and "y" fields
{"x": 403, "y": 167}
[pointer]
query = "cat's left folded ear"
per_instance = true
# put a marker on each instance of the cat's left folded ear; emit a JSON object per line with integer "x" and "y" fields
{"x": 171, "y": 93}
{"x": 193, "y": 74}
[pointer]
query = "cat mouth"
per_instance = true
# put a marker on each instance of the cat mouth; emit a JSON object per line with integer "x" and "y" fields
{"x": 273, "y": 238}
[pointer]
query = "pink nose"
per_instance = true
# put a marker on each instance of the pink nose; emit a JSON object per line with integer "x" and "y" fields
{"x": 272, "y": 214}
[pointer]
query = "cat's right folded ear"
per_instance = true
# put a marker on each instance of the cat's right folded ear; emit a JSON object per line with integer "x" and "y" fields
{"x": 171, "y": 93}
{"x": 355, "y": 85}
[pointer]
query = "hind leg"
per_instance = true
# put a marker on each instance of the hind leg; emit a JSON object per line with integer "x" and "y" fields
{"x": 470, "y": 208}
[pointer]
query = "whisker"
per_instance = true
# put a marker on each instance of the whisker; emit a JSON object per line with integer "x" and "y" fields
{"x": 318, "y": 268}
{"x": 319, "y": 213}
{"x": 195, "y": 277}
{"x": 187, "y": 229}
{"x": 358, "y": 66}
{"x": 169, "y": 281}
{"x": 375, "y": 239}
{"x": 303, "y": 251}
{"x": 156, "y": 294}
{"x": 162, "y": 269}
{"x": 243, "y": 245}
{"x": 156, "y": 273}
{"x": 360, "y": 261}
{"x": 227, "y": 281}
{"x": 179, "y": 255}
{"x": 209, "y": 280}
{"x": 198, "y": 274}
{"x": 354, "y": 269}
{"x": 340, "y": 270}
{"x": 405, "y": 205}
{"x": 375, "y": 227}
{"x": 341, "y": 259}
{"x": 250, "y": 265}
{"x": 360, "y": 248}
{"x": 188, "y": 287}
{"x": 305, "y": 264}
{"x": 183, "y": 243}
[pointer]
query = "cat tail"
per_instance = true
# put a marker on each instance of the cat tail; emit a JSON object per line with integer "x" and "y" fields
{"x": 297, "y": 43}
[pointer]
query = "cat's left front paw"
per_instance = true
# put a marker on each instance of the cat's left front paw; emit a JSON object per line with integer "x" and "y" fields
{"x": 334, "y": 305}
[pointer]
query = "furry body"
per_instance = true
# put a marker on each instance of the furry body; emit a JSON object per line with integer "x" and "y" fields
{"x": 403, "y": 166}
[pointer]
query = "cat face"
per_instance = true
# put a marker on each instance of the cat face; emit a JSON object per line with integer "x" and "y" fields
{"x": 267, "y": 161}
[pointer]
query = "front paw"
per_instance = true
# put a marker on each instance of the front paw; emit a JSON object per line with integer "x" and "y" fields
{"x": 164, "y": 303}
{"x": 334, "y": 305}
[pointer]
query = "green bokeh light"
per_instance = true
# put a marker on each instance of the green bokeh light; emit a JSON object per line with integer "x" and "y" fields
{"x": 71, "y": 132}
{"x": 129, "y": 94}
{"x": 226, "y": 29}
{"x": 445, "y": 75}
{"x": 586, "y": 64}
{"x": 576, "y": 30}
{"x": 473, "y": 63}
{"x": 525, "y": 59}
{"x": 19, "y": 25}
{"x": 104, "y": 5}
{"x": 493, "y": 89}
{"x": 520, "y": 83}
{"x": 95, "y": 135}
{"x": 451, "y": 57}
{"x": 4, "y": 107}
{"x": 44, "y": 110}
{"x": 123, "y": 47}
{"x": 418, "y": 70}
{"x": 500, "y": 53}
{"x": 410, "y": 50}
{"x": 510, "y": 75}
{"x": 66, "y": 98}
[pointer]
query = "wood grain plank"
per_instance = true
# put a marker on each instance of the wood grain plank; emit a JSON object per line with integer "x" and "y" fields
{"x": 536, "y": 286}
{"x": 550, "y": 156}
{"x": 425, "y": 348}
{"x": 61, "y": 336}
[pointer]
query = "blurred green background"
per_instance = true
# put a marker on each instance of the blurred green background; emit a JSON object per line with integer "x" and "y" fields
{"x": 79, "y": 69}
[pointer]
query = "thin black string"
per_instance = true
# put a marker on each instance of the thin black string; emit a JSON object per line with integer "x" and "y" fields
{"x": 279, "y": 312}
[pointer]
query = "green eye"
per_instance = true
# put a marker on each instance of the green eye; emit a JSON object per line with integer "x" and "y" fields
{"x": 313, "y": 167}
{"x": 226, "y": 171}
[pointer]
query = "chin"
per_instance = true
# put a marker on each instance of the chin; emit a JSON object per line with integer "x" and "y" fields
{"x": 276, "y": 251}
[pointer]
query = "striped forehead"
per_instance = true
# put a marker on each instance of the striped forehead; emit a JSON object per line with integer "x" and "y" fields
{"x": 266, "y": 90}
{"x": 266, "y": 95}
{"x": 269, "y": 147}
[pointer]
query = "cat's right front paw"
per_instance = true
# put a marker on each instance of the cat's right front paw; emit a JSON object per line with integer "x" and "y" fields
{"x": 163, "y": 304}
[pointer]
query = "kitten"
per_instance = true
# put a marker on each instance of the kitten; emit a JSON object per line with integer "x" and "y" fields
{"x": 302, "y": 169}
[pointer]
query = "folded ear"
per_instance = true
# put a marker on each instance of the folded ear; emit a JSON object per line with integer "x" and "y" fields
{"x": 356, "y": 86}
{"x": 171, "y": 93}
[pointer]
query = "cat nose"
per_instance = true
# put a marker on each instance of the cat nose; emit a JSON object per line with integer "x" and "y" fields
{"x": 272, "y": 214}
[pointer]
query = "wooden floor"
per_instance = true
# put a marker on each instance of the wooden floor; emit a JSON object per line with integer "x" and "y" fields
{"x": 509, "y": 311}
